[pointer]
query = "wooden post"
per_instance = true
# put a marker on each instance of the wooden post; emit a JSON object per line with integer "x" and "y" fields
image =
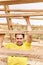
{"x": 1, "y": 39}
{"x": 9, "y": 21}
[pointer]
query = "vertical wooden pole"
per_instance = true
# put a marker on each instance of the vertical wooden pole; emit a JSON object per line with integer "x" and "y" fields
{"x": 9, "y": 21}
{"x": 1, "y": 39}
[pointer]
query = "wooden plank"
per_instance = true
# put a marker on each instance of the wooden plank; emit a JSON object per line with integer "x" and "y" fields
{"x": 24, "y": 10}
{"x": 1, "y": 39}
{"x": 21, "y": 14}
{"x": 36, "y": 18}
{"x": 8, "y": 21}
{"x": 4, "y": 2}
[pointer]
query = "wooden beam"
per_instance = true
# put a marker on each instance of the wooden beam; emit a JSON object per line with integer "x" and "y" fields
{"x": 21, "y": 14}
{"x": 18, "y": 10}
{"x": 36, "y": 18}
{"x": 1, "y": 39}
{"x": 4, "y": 2}
{"x": 8, "y": 21}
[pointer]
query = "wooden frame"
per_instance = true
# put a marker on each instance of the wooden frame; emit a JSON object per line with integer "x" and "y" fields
{"x": 4, "y": 2}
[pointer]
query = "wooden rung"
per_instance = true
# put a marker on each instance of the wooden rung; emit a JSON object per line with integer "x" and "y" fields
{"x": 24, "y": 32}
{"x": 18, "y": 10}
{"x": 21, "y": 14}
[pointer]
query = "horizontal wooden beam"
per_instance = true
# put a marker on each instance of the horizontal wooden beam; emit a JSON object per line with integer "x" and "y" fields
{"x": 21, "y": 14}
{"x": 24, "y": 10}
{"x": 36, "y": 18}
{"x": 4, "y": 2}
{"x": 7, "y": 2}
{"x": 24, "y": 32}
{"x": 18, "y": 10}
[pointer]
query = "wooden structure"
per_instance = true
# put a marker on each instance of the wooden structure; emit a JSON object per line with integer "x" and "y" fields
{"x": 26, "y": 14}
{"x": 17, "y": 2}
